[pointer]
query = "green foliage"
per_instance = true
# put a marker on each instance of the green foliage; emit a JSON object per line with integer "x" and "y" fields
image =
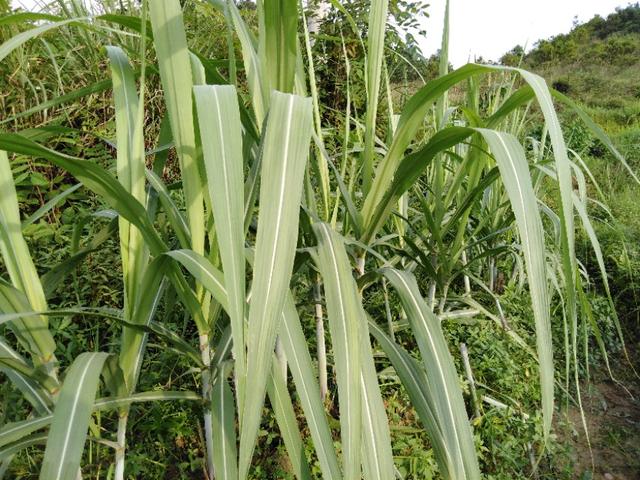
{"x": 613, "y": 41}
{"x": 150, "y": 265}
{"x": 339, "y": 49}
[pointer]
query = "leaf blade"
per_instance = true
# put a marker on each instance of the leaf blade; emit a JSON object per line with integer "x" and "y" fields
{"x": 71, "y": 418}
{"x": 286, "y": 149}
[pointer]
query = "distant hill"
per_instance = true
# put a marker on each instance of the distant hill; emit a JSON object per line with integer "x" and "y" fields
{"x": 597, "y": 63}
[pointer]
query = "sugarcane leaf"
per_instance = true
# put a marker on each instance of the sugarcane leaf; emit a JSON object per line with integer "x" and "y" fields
{"x": 280, "y": 43}
{"x": 377, "y": 457}
{"x": 21, "y": 38}
{"x": 410, "y": 121}
{"x": 408, "y": 172}
{"x": 174, "y": 215}
{"x": 344, "y": 311}
{"x": 175, "y": 72}
{"x": 225, "y": 458}
{"x": 221, "y": 131}
{"x": 597, "y": 132}
{"x": 256, "y": 77}
{"x": 70, "y": 423}
{"x": 374, "y": 62}
{"x": 442, "y": 379}
{"x": 201, "y": 268}
{"x": 133, "y": 23}
{"x": 299, "y": 359}
{"x": 36, "y": 439}
{"x": 32, "y": 391}
{"x": 414, "y": 380}
{"x": 516, "y": 179}
{"x": 287, "y": 422}
{"x": 13, "y": 432}
{"x": 21, "y": 269}
{"x": 286, "y": 148}
{"x": 96, "y": 179}
{"x": 111, "y": 403}
{"x": 36, "y": 375}
{"x": 22, "y": 17}
{"x": 151, "y": 289}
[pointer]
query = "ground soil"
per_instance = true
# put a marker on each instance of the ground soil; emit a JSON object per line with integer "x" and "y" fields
{"x": 612, "y": 413}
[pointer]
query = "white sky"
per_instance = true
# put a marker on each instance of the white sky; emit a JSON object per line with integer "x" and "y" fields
{"x": 490, "y": 28}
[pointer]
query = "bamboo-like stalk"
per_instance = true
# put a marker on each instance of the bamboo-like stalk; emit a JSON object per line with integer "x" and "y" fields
{"x": 320, "y": 338}
{"x": 205, "y": 352}
{"x": 121, "y": 439}
{"x": 464, "y": 351}
{"x": 465, "y": 278}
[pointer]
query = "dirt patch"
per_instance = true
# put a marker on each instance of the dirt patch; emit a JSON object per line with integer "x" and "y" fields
{"x": 612, "y": 415}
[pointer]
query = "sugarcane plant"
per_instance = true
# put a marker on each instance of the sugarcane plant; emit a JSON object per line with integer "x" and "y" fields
{"x": 262, "y": 208}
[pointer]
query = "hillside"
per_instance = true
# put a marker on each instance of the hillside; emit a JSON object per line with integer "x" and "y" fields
{"x": 597, "y": 63}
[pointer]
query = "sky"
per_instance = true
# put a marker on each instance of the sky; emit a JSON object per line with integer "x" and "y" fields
{"x": 490, "y": 28}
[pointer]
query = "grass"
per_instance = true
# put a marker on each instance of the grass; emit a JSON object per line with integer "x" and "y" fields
{"x": 270, "y": 215}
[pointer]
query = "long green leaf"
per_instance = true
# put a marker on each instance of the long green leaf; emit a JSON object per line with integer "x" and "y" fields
{"x": 597, "y": 131}
{"x": 344, "y": 311}
{"x": 174, "y": 215}
{"x": 201, "y": 268}
{"x": 70, "y": 423}
{"x": 225, "y": 457}
{"x": 96, "y": 179}
{"x": 13, "y": 432}
{"x": 221, "y": 131}
{"x": 256, "y": 78}
{"x": 20, "y": 266}
{"x": 145, "y": 397}
{"x": 286, "y": 148}
{"x": 375, "y": 60}
{"x": 442, "y": 378}
{"x": 12, "y": 449}
{"x": 130, "y": 167}
{"x": 410, "y": 121}
{"x": 150, "y": 289}
{"x": 377, "y": 457}
{"x": 569, "y": 261}
{"x": 408, "y": 172}
{"x": 175, "y": 72}
{"x": 415, "y": 382}
{"x": 287, "y": 422}
{"x": 32, "y": 391}
{"x": 17, "y": 430}
{"x": 280, "y": 43}
{"x": 514, "y": 171}
{"x": 21, "y": 38}
{"x": 299, "y": 359}
{"x": 131, "y": 174}
{"x": 102, "y": 183}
